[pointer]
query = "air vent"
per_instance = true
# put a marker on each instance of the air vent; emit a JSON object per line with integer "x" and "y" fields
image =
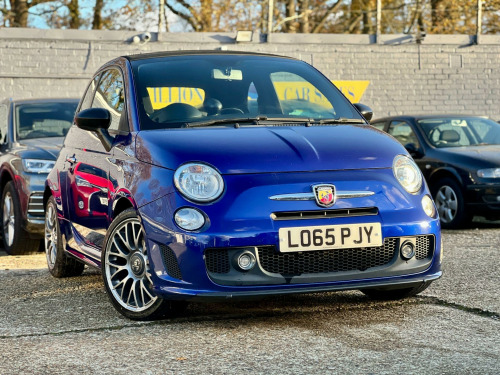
{"x": 170, "y": 262}
{"x": 324, "y": 214}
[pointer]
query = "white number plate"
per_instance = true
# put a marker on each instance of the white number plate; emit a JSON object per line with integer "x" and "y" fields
{"x": 330, "y": 237}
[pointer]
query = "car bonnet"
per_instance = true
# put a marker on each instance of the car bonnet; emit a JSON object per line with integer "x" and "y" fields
{"x": 270, "y": 149}
{"x": 41, "y": 148}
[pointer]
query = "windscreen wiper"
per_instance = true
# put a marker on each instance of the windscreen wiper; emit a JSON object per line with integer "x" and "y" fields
{"x": 341, "y": 120}
{"x": 246, "y": 120}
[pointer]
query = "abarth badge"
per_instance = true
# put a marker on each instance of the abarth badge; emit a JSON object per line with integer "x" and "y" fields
{"x": 324, "y": 194}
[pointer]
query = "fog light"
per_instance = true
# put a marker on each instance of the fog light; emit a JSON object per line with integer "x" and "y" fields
{"x": 246, "y": 261}
{"x": 189, "y": 218}
{"x": 428, "y": 206}
{"x": 407, "y": 250}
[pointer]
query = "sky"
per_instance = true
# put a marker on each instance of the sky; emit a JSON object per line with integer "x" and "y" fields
{"x": 145, "y": 22}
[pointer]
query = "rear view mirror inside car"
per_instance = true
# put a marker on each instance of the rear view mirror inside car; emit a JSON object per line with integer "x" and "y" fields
{"x": 227, "y": 74}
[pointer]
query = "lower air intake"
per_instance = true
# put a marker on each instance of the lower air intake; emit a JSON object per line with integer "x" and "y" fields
{"x": 170, "y": 262}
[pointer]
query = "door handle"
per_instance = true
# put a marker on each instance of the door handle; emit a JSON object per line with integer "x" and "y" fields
{"x": 71, "y": 159}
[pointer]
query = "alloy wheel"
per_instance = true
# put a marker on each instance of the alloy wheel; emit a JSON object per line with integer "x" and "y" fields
{"x": 51, "y": 235}
{"x": 446, "y": 203}
{"x": 8, "y": 219}
{"x": 127, "y": 267}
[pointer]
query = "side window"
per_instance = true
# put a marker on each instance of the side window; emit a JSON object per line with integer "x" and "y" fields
{"x": 110, "y": 96}
{"x": 379, "y": 125}
{"x": 89, "y": 95}
{"x": 403, "y": 132}
{"x": 253, "y": 96}
{"x": 4, "y": 121}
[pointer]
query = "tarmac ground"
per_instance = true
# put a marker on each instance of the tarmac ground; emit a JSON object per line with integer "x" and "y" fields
{"x": 68, "y": 326}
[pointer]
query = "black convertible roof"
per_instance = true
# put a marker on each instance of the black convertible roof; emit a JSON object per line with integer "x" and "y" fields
{"x": 197, "y": 53}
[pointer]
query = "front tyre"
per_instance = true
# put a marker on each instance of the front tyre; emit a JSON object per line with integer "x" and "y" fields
{"x": 126, "y": 271}
{"x": 450, "y": 204}
{"x": 59, "y": 263}
{"x": 395, "y": 294}
{"x": 16, "y": 240}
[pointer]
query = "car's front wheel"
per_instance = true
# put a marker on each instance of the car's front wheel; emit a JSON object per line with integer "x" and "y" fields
{"x": 16, "y": 240}
{"x": 59, "y": 263}
{"x": 395, "y": 294}
{"x": 450, "y": 204}
{"x": 126, "y": 271}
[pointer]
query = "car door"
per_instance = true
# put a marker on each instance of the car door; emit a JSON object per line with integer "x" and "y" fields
{"x": 88, "y": 165}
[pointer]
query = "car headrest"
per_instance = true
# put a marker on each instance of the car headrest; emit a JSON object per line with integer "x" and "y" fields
{"x": 449, "y": 136}
{"x": 180, "y": 111}
{"x": 212, "y": 106}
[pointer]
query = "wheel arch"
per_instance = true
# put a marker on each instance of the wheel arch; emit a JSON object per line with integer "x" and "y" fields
{"x": 5, "y": 177}
{"x": 47, "y": 193}
{"x": 444, "y": 173}
{"x": 120, "y": 205}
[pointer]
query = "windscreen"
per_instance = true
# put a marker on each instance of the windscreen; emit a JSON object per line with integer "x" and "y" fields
{"x": 176, "y": 90}
{"x": 40, "y": 120}
{"x": 460, "y": 131}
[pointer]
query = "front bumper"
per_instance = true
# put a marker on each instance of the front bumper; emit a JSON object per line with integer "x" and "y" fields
{"x": 178, "y": 258}
{"x": 30, "y": 187}
{"x": 484, "y": 199}
{"x": 208, "y": 296}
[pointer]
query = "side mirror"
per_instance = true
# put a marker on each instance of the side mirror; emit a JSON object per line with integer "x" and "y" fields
{"x": 365, "y": 111}
{"x": 413, "y": 150}
{"x": 96, "y": 120}
{"x": 92, "y": 119}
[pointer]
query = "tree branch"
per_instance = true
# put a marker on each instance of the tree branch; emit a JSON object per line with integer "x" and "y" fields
{"x": 323, "y": 19}
{"x": 189, "y": 19}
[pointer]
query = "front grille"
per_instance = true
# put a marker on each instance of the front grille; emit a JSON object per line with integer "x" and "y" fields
{"x": 35, "y": 205}
{"x": 322, "y": 261}
{"x": 170, "y": 262}
{"x": 424, "y": 247}
{"x": 327, "y": 260}
{"x": 324, "y": 214}
{"x": 217, "y": 260}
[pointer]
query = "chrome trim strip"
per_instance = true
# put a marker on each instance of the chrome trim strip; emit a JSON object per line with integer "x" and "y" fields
{"x": 293, "y": 197}
{"x": 346, "y": 194}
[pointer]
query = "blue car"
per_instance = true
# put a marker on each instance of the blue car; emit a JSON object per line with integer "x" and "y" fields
{"x": 202, "y": 176}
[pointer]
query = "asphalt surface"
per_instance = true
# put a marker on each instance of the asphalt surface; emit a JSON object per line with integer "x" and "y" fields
{"x": 68, "y": 326}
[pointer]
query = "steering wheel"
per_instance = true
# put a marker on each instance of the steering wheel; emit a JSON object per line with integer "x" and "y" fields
{"x": 229, "y": 111}
{"x": 431, "y": 136}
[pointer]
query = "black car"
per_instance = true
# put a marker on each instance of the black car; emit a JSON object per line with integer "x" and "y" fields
{"x": 32, "y": 133}
{"x": 459, "y": 157}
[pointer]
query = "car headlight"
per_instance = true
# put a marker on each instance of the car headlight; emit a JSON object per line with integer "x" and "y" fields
{"x": 38, "y": 165}
{"x": 199, "y": 182}
{"x": 407, "y": 173}
{"x": 189, "y": 218}
{"x": 489, "y": 173}
{"x": 82, "y": 182}
{"x": 428, "y": 206}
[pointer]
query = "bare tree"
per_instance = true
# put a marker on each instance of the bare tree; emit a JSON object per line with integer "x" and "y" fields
{"x": 97, "y": 23}
{"x": 74, "y": 14}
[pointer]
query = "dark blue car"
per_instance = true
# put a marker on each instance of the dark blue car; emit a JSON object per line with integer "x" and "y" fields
{"x": 201, "y": 176}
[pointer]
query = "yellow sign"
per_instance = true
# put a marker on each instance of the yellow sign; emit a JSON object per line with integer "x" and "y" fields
{"x": 353, "y": 90}
{"x": 163, "y": 96}
{"x": 301, "y": 90}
